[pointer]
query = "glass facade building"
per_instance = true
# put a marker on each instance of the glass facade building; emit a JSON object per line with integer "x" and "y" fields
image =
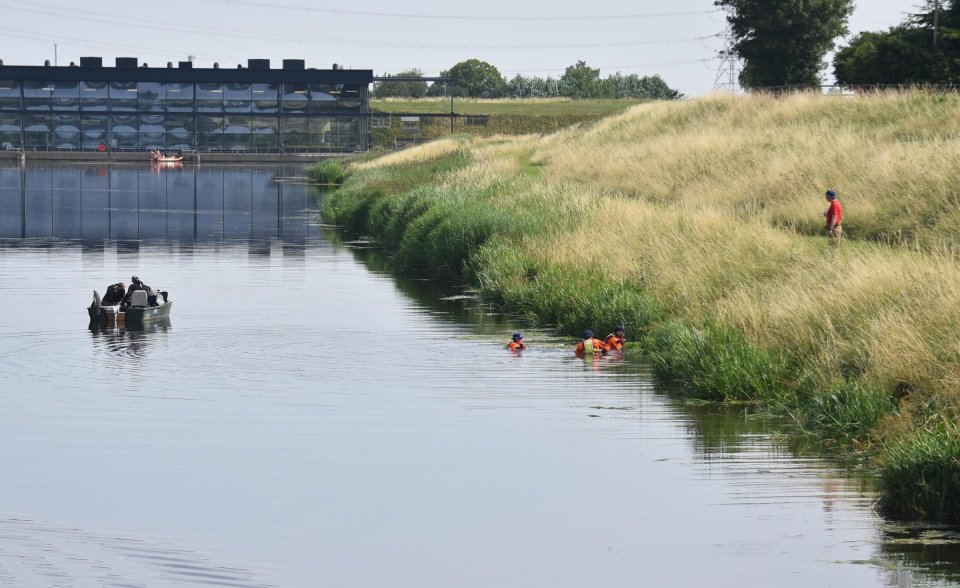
{"x": 130, "y": 108}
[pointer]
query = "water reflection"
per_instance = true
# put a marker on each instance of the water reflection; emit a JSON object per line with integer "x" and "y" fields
{"x": 130, "y": 341}
{"x": 102, "y": 206}
{"x": 931, "y": 551}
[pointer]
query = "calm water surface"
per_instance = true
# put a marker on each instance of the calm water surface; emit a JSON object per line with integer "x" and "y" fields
{"x": 307, "y": 420}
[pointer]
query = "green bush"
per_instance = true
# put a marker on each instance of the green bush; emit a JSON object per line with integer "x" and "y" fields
{"x": 327, "y": 172}
{"x": 716, "y": 362}
{"x": 847, "y": 412}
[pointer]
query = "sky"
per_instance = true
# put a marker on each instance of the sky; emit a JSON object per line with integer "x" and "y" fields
{"x": 678, "y": 40}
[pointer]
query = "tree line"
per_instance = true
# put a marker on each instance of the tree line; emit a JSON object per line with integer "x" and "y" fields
{"x": 783, "y": 43}
{"x": 478, "y": 79}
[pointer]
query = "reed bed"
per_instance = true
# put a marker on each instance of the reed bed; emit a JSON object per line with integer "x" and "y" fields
{"x": 698, "y": 225}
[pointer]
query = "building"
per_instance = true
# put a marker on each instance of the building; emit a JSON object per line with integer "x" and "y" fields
{"x": 139, "y": 108}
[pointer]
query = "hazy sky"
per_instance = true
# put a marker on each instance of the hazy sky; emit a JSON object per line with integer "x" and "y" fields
{"x": 678, "y": 40}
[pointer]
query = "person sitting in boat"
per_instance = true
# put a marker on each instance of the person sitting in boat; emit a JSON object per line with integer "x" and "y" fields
{"x": 516, "y": 344}
{"x": 588, "y": 346}
{"x": 135, "y": 284}
{"x": 616, "y": 339}
{"x": 114, "y": 294}
{"x": 152, "y": 296}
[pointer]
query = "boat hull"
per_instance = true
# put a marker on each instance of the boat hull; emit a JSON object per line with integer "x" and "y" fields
{"x": 145, "y": 315}
{"x": 111, "y": 315}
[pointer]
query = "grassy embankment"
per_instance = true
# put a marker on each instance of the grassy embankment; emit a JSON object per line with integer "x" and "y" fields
{"x": 697, "y": 224}
{"x": 507, "y": 117}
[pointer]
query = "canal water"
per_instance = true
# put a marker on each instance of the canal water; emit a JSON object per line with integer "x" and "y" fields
{"x": 305, "y": 419}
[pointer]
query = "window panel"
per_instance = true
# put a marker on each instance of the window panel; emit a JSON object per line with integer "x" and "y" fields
{"x": 236, "y": 131}
{"x": 94, "y": 96}
{"x": 9, "y": 95}
{"x": 237, "y": 97}
{"x": 180, "y": 127}
{"x": 36, "y": 130}
{"x": 66, "y": 130}
{"x": 265, "y": 132}
{"x": 209, "y": 97}
{"x": 37, "y": 96}
{"x": 323, "y": 97}
{"x": 351, "y": 98}
{"x": 123, "y": 96}
{"x": 152, "y": 140}
{"x": 296, "y": 133}
{"x": 295, "y": 98}
{"x": 210, "y": 133}
{"x": 151, "y": 96}
{"x": 9, "y": 130}
{"x": 265, "y": 97}
{"x": 66, "y": 96}
{"x": 123, "y": 123}
{"x": 94, "y": 130}
{"x": 123, "y": 140}
{"x": 179, "y": 97}
{"x": 152, "y": 123}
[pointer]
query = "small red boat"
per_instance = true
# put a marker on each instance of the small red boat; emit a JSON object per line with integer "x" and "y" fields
{"x": 157, "y": 157}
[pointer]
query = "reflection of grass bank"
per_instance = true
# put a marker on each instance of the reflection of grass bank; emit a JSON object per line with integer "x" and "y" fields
{"x": 693, "y": 223}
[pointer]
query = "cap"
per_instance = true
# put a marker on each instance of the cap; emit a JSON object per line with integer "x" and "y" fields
{"x": 588, "y": 334}
{"x": 517, "y": 336}
{"x": 831, "y": 194}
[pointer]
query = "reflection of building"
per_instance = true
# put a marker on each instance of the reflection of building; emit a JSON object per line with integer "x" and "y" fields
{"x": 130, "y": 205}
{"x": 127, "y": 107}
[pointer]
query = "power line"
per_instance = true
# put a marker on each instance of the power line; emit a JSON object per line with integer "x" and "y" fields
{"x": 623, "y": 66}
{"x": 542, "y": 17}
{"x": 346, "y": 42}
{"x": 77, "y": 41}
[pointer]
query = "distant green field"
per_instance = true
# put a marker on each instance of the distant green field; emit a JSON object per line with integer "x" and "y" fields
{"x": 518, "y": 107}
{"x": 507, "y": 117}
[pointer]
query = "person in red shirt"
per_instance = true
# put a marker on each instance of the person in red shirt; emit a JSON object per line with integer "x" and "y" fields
{"x": 616, "y": 339}
{"x": 516, "y": 344}
{"x": 834, "y": 216}
{"x": 590, "y": 346}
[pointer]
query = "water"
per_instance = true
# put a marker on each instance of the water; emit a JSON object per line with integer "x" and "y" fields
{"x": 305, "y": 419}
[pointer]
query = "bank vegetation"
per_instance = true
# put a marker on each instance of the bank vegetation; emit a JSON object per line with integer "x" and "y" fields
{"x": 698, "y": 224}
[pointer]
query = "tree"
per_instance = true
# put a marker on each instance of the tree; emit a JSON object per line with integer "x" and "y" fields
{"x": 391, "y": 89}
{"x": 905, "y": 54}
{"x": 473, "y": 78}
{"x": 634, "y": 86}
{"x": 783, "y": 42}
{"x": 581, "y": 81}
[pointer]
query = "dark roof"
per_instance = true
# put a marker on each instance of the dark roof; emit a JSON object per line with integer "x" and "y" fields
{"x": 185, "y": 73}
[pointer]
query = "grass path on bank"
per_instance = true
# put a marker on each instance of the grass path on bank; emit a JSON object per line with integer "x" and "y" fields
{"x": 696, "y": 224}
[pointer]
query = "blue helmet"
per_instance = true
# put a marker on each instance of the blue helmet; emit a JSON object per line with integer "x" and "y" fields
{"x": 517, "y": 336}
{"x": 831, "y": 194}
{"x": 588, "y": 334}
